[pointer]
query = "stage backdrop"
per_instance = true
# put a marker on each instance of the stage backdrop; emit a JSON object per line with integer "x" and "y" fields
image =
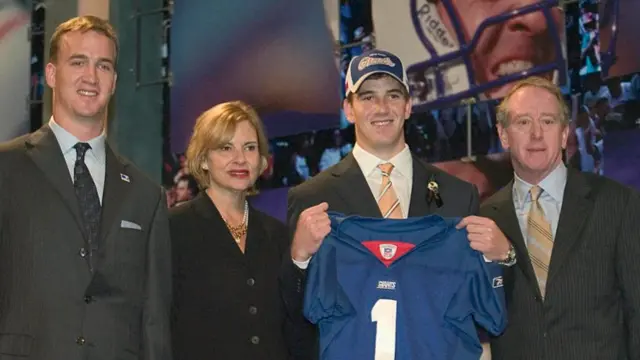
{"x": 288, "y": 58}
{"x": 276, "y": 55}
{"x": 15, "y": 65}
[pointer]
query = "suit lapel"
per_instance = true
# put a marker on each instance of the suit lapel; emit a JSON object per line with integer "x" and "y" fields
{"x": 353, "y": 188}
{"x": 254, "y": 246}
{"x": 116, "y": 189}
{"x": 507, "y": 220}
{"x": 576, "y": 209}
{"x": 44, "y": 150}
{"x": 213, "y": 223}
{"x": 418, "y": 205}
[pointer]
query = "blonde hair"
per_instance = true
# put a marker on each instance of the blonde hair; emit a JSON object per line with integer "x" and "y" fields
{"x": 502, "y": 113}
{"x": 215, "y": 128}
{"x": 82, "y": 24}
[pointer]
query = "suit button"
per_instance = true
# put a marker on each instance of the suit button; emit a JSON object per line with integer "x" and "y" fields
{"x": 83, "y": 252}
{"x": 253, "y": 310}
{"x": 80, "y": 340}
{"x": 251, "y": 282}
{"x": 88, "y": 299}
{"x": 255, "y": 340}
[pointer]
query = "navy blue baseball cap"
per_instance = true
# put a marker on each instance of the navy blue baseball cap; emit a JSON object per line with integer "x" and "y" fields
{"x": 374, "y": 62}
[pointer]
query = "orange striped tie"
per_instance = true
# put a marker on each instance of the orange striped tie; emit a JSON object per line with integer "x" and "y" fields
{"x": 387, "y": 199}
{"x": 540, "y": 241}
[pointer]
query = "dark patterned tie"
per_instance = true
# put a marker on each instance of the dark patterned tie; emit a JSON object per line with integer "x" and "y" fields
{"x": 87, "y": 196}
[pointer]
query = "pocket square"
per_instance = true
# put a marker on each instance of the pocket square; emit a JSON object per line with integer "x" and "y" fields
{"x": 130, "y": 225}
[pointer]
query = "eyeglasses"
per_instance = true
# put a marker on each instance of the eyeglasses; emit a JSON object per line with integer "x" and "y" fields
{"x": 526, "y": 124}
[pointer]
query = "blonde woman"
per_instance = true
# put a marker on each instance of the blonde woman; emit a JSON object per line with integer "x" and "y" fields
{"x": 227, "y": 255}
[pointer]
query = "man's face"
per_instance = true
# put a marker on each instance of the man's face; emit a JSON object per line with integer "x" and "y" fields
{"x": 83, "y": 77}
{"x": 535, "y": 135}
{"x": 508, "y": 47}
{"x": 182, "y": 192}
{"x": 379, "y": 110}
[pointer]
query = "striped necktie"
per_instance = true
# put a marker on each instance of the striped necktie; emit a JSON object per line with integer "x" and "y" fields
{"x": 540, "y": 241}
{"x": 387, "y": 199}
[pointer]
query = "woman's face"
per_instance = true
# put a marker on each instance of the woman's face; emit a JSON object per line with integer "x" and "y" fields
{"x": 236, "y": 165}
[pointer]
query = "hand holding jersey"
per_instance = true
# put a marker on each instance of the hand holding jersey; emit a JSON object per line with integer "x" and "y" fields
{"x": 486, "y": 237}
{"x": 313, "y": 226}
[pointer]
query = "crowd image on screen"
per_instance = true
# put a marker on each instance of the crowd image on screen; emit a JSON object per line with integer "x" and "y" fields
{"x": 179, "y": 185}
{"x": 588, "y": 25}
{"x": 299, "y": 157}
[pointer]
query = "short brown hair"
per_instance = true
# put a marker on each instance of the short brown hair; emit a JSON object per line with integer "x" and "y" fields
{"x": 502, "y": 113}
{"x": 82, "y": 24}
{"x": 216, "y": 127}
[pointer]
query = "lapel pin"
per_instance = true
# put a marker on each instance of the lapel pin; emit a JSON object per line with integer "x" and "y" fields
{"x": 124, "y": 177}
{"x": 434, "y": 192}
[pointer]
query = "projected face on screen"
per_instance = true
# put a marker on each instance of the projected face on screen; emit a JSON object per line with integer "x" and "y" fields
{"x": 511, "y": 46}
{"x": 453, "y": 52}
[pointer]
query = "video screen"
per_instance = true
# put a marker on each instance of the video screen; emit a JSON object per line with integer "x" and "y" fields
{"x": 619, "y": 29}
{"x": 470, "y": 49}
{"x": 589, "y": 28}
{"x": 356, "y": 36}
{"x": 296, "y": 158}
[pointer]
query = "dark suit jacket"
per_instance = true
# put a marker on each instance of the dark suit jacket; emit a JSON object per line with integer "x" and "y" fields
{"x": 227, "y": 304}
{"x": 52, "y": 306}
{"x": 345, "y": 189}
{"x": 592, "y": 306}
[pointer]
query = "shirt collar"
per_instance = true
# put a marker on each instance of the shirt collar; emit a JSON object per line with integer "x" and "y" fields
{"x": 552, "y": 185}
{"x": 67, "y": 141}
{"x": 402, "y": 161}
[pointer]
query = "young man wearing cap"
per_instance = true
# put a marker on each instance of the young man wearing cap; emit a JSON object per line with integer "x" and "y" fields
{"x": 378, "y": 103}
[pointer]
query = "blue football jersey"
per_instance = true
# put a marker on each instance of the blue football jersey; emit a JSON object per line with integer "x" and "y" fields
{"x": 410, "y": 289}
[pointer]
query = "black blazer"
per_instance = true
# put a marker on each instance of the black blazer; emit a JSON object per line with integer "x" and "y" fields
{"x": 227, "y": 304}
{"x": 592, "y": 307}
{"x": 345, "y": 189}
{"x": 52, "y": 306}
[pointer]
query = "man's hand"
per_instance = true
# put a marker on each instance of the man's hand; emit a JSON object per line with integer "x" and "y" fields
{"x": 486, "y": 237}
{"x": 313, "y": 225}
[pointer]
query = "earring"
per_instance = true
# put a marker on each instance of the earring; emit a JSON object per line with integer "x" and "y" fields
{"x": 205, "y": 166}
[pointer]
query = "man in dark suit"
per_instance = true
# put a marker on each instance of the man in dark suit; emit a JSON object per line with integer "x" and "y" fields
{"x": 85, "y": 265}
{"x": 575, "y": 291}
{"x": 378, "y": 104}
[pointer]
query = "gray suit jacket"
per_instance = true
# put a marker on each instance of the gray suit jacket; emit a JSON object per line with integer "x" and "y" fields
{"x": 52, "y": 305}
{"x": 592, "y": 306}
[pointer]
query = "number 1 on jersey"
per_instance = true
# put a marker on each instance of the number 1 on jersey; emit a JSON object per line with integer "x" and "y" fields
{"x": 384, "y": 313}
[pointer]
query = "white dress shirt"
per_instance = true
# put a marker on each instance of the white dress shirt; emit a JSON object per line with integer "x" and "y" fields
{"x": 401, "y": 178}
{"x": 95, "y": 158}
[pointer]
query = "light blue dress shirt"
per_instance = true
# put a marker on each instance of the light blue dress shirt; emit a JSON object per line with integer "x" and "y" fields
{"x": 95, "y": 158}
{"x": 550, "y": 199}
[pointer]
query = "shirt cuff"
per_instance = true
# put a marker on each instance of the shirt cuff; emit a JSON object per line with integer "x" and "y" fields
{"x": 302, "y": 264}
{"x": 485, "y": 259}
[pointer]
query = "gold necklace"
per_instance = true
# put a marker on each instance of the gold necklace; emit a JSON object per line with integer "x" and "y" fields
{"x": 239, "y": 231}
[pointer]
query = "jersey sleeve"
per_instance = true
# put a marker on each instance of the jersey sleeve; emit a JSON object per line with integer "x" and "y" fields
{"x": 324, "y": 297}
{"x": 480, "y": 295}
{"x": 486, "y": 284}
